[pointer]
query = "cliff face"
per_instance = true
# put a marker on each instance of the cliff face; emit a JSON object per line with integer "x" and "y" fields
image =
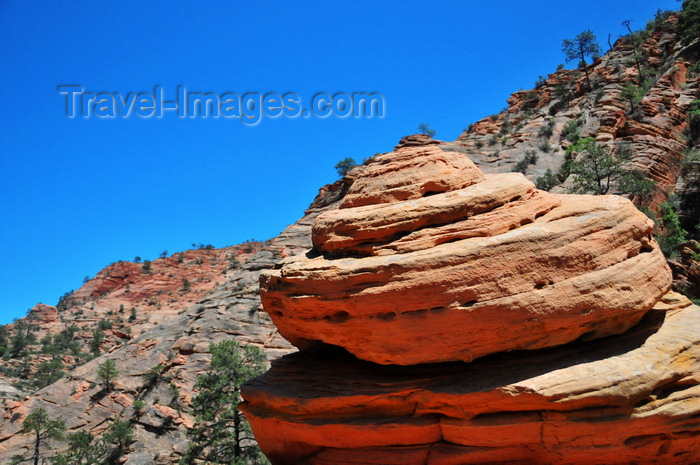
{"x": 653, "y": 124}
{"x": 122, "y": 301}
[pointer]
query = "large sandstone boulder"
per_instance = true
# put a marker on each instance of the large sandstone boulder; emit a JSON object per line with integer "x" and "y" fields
{"x": 629, "y": 399}
{"x": 428, "y": 260}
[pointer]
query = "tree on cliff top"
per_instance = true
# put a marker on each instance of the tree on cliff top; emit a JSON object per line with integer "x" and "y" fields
{"x": 425, "y": 128}
{"x": 221, "y": 435}
{"x": 345, "y": 165}
{"x": 585, "y": 44}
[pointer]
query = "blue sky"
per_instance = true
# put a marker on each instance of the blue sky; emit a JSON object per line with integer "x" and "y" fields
{"x": 77, "y": 194}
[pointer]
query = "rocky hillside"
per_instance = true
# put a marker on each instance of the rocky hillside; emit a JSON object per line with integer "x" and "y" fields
{"x": 157, "y": 320}
{"x": 646, "y": 113}
{"x": 172, "y": 332}
{"x": 122, "y": 301}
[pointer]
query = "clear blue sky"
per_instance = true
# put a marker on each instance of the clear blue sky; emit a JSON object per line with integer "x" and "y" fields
{"x": 78, "y": 194}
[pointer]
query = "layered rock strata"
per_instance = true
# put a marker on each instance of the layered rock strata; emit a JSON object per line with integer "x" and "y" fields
{"x": 487, "y": 264}
{"x": 578, "y": 352}
{"x": 625, "y": 399}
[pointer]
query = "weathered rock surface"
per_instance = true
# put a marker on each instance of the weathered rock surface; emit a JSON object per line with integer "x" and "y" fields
{"x": 490, "y": 267}
{"x": 686, "y": 269}
{"x": 633, "y": 398}
{"x": 410, "y": 173}
{"x": 44, "y": 314}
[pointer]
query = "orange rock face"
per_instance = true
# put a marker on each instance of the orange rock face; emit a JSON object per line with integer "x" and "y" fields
{"x": 44, "y": 313}
{"x": 485, "y": 323}
{"x": 486, "y": 267}
{"x": 627, "y": 399}
{"x": 410, "y": 173}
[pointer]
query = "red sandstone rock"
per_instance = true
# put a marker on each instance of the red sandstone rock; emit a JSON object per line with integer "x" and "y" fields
{"x": 627, "y": 399}
{"x": 491, "y": 267}
{"x": 372, "y": 229}
{"x": 44, "y": 313}
{"x": 410, "y": 173}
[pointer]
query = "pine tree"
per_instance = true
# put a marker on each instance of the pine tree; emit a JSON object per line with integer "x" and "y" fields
{"x": 689, "y": 23}
{"x": 221, "y": 435}
{"x": 98, "y": 337}
{"x": 345, "y": 165}
{"x": 39, "y": 424}
{"x": 107, "y": 373}
{"x": 424, "y": 128}
{"x": 584, "y": 45}
{"x": 119, "y": 435}
{"x": 83, "y": 449}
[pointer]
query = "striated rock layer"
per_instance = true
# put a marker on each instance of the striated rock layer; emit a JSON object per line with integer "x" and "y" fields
{"x": 633, "y": 398}
{"x": 479, "y": 265}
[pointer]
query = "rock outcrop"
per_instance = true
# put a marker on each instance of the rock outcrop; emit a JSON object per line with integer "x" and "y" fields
{"x": 43, "y": 313}
{"x": 584, "y": 356}
{"x": 626, "y": 399}
{"x": 488, "y": 264}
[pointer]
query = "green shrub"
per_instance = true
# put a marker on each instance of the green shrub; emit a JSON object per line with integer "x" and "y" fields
{"x": 98, "y": 337}
{"x": 505, "y": 127}
{"x": 694, "y": 124}
{"x": 47, "y": 372}
{"x": 107, "y": 372}
{"x": 530, "y": 158}
{"x": 637, "y": 184}
{"x": 571, "y": 132}
{"x": 547, "y": 181}
{"x": 532, "y": 99}
{"x": 689, "y": 22}
{"x": 632, "y": 94}
{"x": 672, "y": 233}
{"x": 596, "y": 167}
{"x": 345, "y": 165}
{"x": 546, "y": 131}
{"x": 152, "y": 377}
